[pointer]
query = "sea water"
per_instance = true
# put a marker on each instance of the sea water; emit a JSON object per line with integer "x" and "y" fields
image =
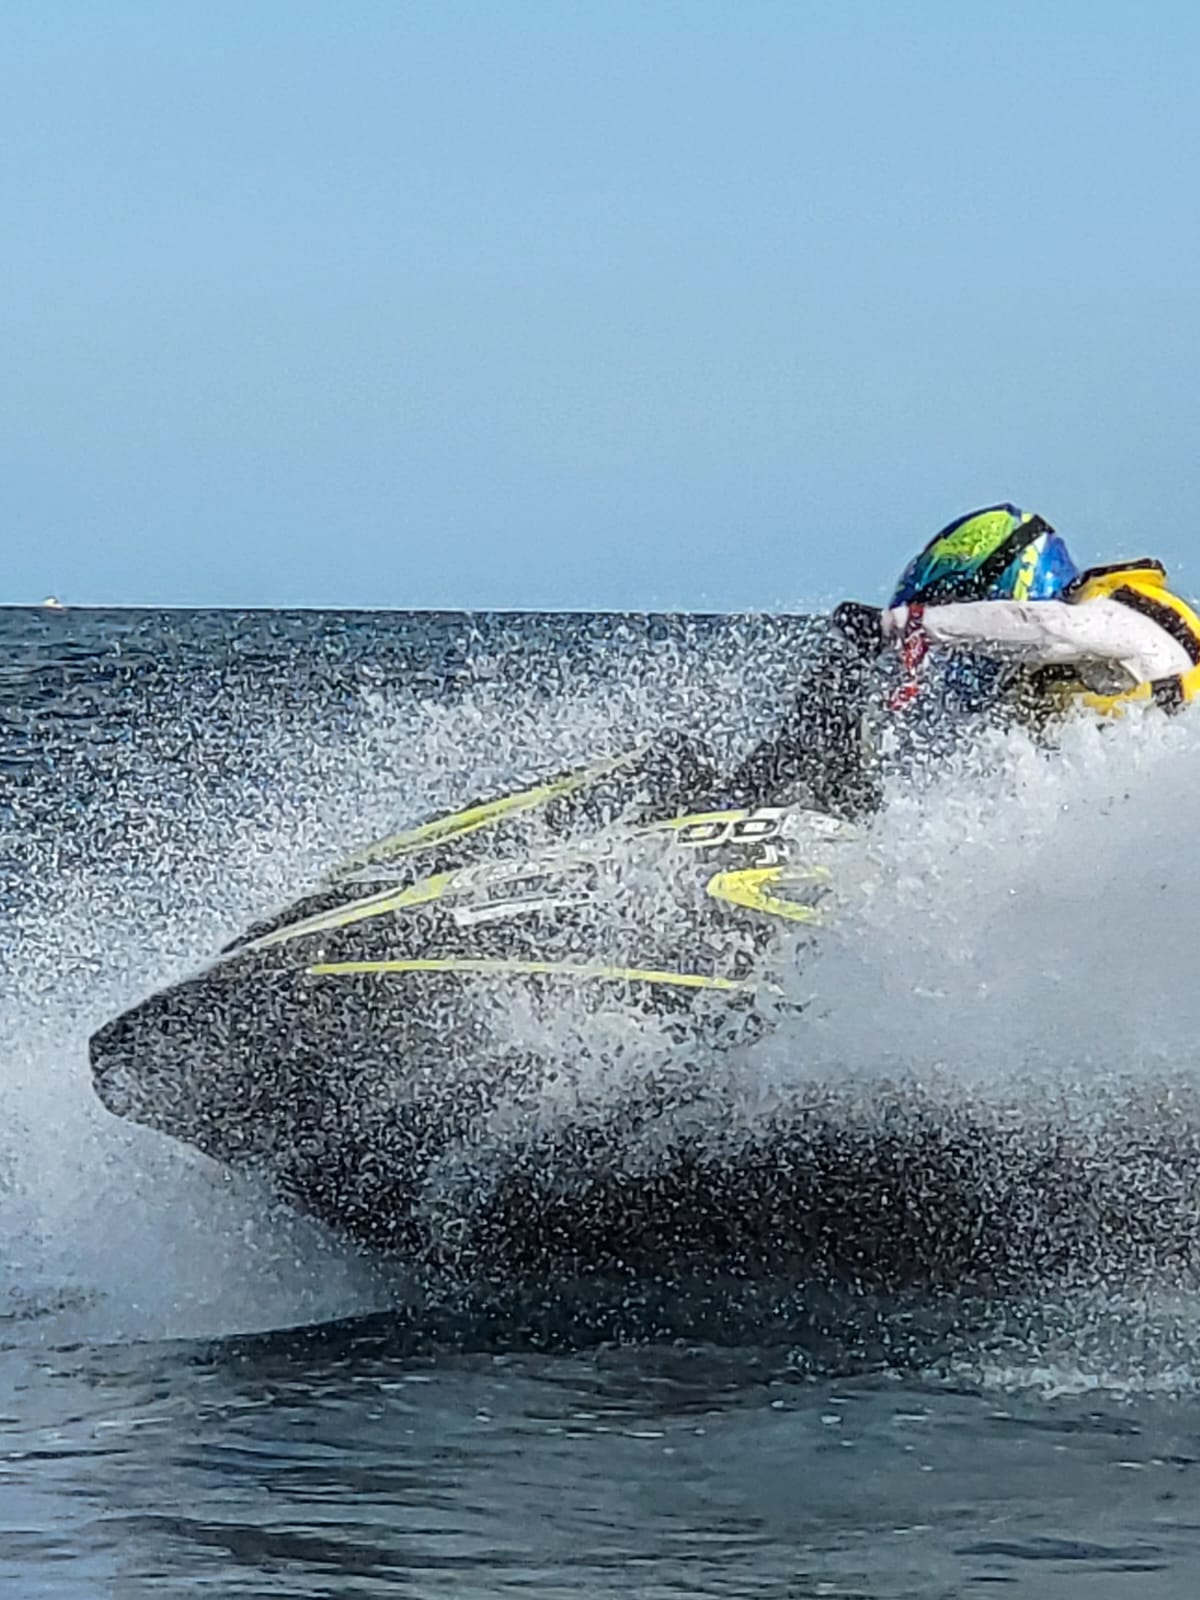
{"x": 202, "y": 1393}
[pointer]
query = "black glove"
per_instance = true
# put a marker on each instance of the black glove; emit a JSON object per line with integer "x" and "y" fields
{"x": 861, "y": 626}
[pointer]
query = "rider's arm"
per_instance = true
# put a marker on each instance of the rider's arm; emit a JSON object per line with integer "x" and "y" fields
{"x": 1050, "y": 633}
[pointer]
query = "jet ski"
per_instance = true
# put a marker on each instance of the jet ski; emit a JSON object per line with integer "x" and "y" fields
{"x": 347, "y": 1042}
{"x": 520, "y": 1038}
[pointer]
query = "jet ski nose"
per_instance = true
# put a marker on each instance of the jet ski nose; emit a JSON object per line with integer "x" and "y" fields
{"x": 136, "y": 1059}
{"x": 217, "y": 1060}
{"x": 173, "y": 1060}
{"x": 109, "y": 1051}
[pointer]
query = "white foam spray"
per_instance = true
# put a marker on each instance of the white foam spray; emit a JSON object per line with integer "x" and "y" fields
{"x": 1021, "y": 930}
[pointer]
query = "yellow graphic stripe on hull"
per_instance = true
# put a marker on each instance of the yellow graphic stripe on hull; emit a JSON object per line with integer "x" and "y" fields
{"x": 385, "y": 901}
{"x": 694, "y": 819}
{"x": 748, "y": 887}
{"x": 751, "y": 888}
{"x": 473, "y": 818}
{"x": 533, "y": 969}
{"x": 376, "y": 905}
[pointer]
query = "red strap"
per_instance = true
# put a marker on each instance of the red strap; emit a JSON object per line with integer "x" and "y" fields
{"x": 914, "y": 647}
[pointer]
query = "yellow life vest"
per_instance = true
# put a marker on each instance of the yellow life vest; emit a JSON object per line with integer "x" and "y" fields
{"x": 1142, "y": 585}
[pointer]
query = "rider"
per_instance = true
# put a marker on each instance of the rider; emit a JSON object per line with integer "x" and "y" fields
{"x": 1000, "y": 584}
{"x": 822, "y": 752}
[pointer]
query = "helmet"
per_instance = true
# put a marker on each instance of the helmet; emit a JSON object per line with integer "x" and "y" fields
{"x": 999, "y": 553}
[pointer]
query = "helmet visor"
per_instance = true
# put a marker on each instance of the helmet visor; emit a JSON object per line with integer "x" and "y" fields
{"x": 995, "y": 554}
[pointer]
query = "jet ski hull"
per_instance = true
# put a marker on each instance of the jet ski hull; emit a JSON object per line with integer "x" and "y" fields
{"x": 495, "y": 1059}
{"x": 349, "y": 1092}
{"x": 408, "y": 1142}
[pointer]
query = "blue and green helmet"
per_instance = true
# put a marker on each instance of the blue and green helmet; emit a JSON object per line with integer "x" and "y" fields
{"x": 998, "y": 553}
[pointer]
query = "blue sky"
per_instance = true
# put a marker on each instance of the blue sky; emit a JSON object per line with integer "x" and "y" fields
{"x": 597, "y": 304}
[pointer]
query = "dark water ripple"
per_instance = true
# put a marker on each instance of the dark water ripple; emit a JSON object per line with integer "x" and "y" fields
{"x": 667, "y": 1470}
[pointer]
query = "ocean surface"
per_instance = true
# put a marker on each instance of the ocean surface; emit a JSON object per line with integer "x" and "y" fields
{"x": 204, "y": 1394}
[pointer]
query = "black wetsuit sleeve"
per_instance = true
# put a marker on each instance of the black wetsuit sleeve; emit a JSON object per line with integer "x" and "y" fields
{"x": 818, "y": 755}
